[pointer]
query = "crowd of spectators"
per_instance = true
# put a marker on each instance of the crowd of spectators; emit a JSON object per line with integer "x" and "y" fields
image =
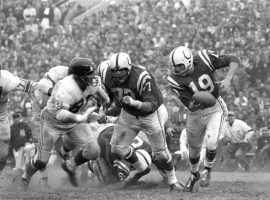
{"x": 36, "y": 35}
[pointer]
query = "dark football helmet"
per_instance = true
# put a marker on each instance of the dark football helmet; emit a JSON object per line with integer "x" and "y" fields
{"x": 83, "y": 69}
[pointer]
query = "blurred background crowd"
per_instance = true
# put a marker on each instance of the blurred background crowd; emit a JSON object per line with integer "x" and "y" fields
{"x": 38, "y": 34}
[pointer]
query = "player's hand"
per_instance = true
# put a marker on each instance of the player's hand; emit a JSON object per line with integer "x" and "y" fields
{"x": 185, "y": 155}
{"x": 226, "y": 84}
{"x": 131, "y": 102}
{"x": 127, "y": 100}
{"x": 169, "y": 131}
{"x": 103, "y": 119}
{"x": 194, "y": 105}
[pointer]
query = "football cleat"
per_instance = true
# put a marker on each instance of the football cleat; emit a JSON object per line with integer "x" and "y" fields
{"x": 178, "y": 186}
{"x": 205, "y": 180}
{"x": 135, "y": 179}
{"x": 191, "y": 185}
{"x": 70, "y": 170}
{"x": 24, "y": 183}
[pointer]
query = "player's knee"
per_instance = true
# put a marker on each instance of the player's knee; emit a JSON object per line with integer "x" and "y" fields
{"x": 120, "y": 152}
{"x": 195, "y": 152}
{"x": 40, "y": 165}
{"x": 163, "y": 156}
{"x": 68, "y": 143}
{"x": 91, "y": 150}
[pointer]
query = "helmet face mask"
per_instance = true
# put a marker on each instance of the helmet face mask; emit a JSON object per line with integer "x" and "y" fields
{"x": 120, "y": 75}
{"x": 120, "y": 65}
{"x": 84, "y": 70}
{"x": 181, "y": 59}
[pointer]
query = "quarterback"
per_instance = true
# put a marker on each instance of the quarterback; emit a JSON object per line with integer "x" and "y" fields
{"x": 66, "y": 113}
{"x": 190, "y": 74}
{"x": 140, "y": 104}
{"x": 9, "y": 83}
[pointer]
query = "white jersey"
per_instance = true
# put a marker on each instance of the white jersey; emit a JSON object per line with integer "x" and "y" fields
{"x": 67, "y": 95}
{"x": 9, "y": 83}
{"x": 47, "y": 82}
{"x": 238, "y": 132}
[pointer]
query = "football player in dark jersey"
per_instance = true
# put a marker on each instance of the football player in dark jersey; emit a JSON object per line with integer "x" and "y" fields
{"x": 109, "y": 169}
{"x": 133, "y": 89}
{"x": 193, "y": 73}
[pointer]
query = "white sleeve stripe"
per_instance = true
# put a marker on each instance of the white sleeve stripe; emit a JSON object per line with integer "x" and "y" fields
{"x": 173, "y": 83}
{"x": 144, "y": 80}
{"x": 140, "y": 79}
{"x": 207, "y": 58}
{"x": 103, "y": 74}
{"x": 205, "y": 61}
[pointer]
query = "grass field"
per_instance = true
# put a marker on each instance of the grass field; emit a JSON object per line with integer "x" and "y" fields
{"x": 225, "y": 185}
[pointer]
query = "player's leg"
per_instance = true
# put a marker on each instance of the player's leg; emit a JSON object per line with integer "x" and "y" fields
{"x": 213, "y": 131}
{"x": 153, "y": 127}
{"x": 4, "y": 142}
{"x": 124, "y": 133}
{"x": 44, "y": 149}
{"x": 90, "y": 150}
{"x": 195, "y": 134}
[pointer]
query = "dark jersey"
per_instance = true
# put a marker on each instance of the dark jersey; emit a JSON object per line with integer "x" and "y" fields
{"x": 104, "y": 139}
{"x": 203, "y": 76}
{"x": 140, "y": 86}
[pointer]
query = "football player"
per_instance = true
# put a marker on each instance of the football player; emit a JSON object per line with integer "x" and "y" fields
{"x": 108, "y": 169}
{"x": 140, "y": 105}
{"x": 41, "y": 96}
{"x": 190, "y": 74}
{"x": 9, "y": 83}
{"x": 66, "y": 113}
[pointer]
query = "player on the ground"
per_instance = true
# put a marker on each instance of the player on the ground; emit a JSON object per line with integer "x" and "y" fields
{"x": 192, "y": 74}
{"x": 140, "y": 104}
{"x": 107, "y": 167}
{"x": 9, "y": 83}
{"x": 65, "y": 114}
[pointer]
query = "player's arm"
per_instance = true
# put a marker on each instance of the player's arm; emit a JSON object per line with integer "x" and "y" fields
{"x": 64, "y": 102}
{"x": 184, "y": 95}
{"x": 20, "y": 84}
{"x": 148, "y": 102}
{"x": 45, "y": 86}
{"x": 220, "y": 61}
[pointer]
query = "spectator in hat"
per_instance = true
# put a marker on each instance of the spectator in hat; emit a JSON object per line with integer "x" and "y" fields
{"x": 20, "y": 138}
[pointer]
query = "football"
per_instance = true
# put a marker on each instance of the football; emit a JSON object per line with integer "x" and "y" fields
{"x": 205, "y": 98}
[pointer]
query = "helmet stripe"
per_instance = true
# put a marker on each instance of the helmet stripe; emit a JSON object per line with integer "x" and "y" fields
{"x": 143, "y": 157}
{"x": 116, "y": 61}
{"x": 172, "y": 56}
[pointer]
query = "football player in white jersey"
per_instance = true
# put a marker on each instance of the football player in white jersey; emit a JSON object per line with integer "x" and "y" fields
{"x": 41, "y": 96}
{"x": 9, "y": 83}
{"x": 65, "y": 114}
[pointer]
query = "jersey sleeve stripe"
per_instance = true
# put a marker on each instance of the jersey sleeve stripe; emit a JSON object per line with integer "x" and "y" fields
{"x": 140, "y": 80}
{"x": 144, "y": 80}
{"x": 173, "y": 83}
{"x": 205, "y": 60}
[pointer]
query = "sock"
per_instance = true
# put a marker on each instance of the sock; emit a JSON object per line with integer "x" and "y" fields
{"x": 80, "y": 159}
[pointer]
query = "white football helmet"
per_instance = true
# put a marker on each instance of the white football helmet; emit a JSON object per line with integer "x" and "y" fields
{"x": 120, "y": 65}
{"x": 102, "y": 68}
{"x": 120, "y": 60}
{"x": 121, "y": 169}
{"x": 181, "y": 59}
